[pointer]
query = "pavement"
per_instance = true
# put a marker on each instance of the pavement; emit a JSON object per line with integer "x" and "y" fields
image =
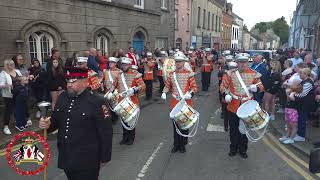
{"x": 149, "y": 158}
{"x": 312, "y": 135}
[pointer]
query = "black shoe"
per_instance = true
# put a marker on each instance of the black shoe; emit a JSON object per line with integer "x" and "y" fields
{"x": 244, "y": 155}
{"x": 182, "y": 149}
{"x": 129, "y": 142}
{"x": 122, "y": 142}
{"x": 174, "y": 149}
{"x": 231, "y": 154}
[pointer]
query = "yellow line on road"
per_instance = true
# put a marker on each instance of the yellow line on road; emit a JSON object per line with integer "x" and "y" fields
{"x": 302, "y": 162}
{"x": 292, "y": 164}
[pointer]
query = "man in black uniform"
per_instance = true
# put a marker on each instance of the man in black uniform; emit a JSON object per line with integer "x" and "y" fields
{"x": 85, "y": 128}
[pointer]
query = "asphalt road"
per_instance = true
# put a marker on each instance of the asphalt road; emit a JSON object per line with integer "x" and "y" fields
{"x": 149, "y": 158}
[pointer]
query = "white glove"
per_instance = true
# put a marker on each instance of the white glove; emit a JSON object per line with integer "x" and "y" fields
{"x": 228, "y": 98}
{"x": 187, "y": 96}
{"x": 253, "y": 88}
{"x": 163, "y": 96}
{"x": 109, "y": 95}
{"x": 130, "y": 92}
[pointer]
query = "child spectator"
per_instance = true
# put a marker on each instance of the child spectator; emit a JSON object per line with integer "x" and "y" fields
{"x": 291, "y": 113}
{"x": 20, "y": 95}
{"x": 272, "y": 85}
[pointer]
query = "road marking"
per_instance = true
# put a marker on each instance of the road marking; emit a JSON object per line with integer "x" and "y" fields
{"x": 145, "y": 168}
{"x": 218, "y": 111}
{"x": 293, "y": 165}
{"x": 302, "y": 162}
{"x": 216, "y": 128}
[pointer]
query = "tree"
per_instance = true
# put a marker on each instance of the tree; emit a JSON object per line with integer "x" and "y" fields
{"x": 245, "y": 27}
{"x": 263, "y": 26}
{"x": 281, "y": 29}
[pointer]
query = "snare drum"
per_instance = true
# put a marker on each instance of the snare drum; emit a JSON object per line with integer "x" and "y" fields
{"x": 184, "y": 115}
{"x": 252, "y": 115}
{"x": 127, "y": 110}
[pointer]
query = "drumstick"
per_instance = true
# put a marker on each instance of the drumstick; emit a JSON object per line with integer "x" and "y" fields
{"x": 45, "y": 135}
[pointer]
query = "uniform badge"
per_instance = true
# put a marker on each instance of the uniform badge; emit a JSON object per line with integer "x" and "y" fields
{"x": 105, "y": 111}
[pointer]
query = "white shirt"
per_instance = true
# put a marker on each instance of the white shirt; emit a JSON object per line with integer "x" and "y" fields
{"x": 295, "y": 61}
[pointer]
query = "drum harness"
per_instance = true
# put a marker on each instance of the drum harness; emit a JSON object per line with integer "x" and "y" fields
{"x": 133, "y": 125}
{"x": 242, "y": 126}
{"x": 194, "y": 130}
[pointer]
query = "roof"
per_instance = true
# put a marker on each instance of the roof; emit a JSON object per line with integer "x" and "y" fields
{"x": 234, "y": 15}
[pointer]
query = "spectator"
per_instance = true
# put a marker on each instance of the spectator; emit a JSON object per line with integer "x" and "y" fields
{"x": 8, "y": 78}
{"x": 132, "y": 56}
{"x": 103, "y": 60}
{"x": 291, "y": 113}
{"x": 37, "y": 82}
{"x": 261, "y": 67}
{"x": 71, "y": 62}
{"x": 20, "y": 96}
{"x": 86, "y": 53}
{"x": 296, "y": 59}
{"x": 56, "y": 81}
{"x": 306, "y": 102}
{"x": 313, "y": 67}
{"x": 92, "y": 63}
{"x": 20, "y": 64}
{"x": 55, "y": 55}
{"x": 271, "y": 88}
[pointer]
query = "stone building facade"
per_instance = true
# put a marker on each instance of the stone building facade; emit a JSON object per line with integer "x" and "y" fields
{"x": 33, "y": 27}
{"x": 206, "y": 23}
{"x": 183, "y": 14}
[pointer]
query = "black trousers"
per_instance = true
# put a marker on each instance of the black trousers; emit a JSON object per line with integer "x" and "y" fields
{"x": 114, "y": 117}
{"x": 9, "y": 105}
{"x": 205, "y": 78}
{"x": 209, "y": 78}
{"x": 128, "y": 135}
{"x": 148, "y": 89}
{"x": 161, "y": 80}
{"x": 177, "y": 139}
{"x": 225, "y": 115}
{"x": 92, "y": 174}
{"x": 239, "y": 142}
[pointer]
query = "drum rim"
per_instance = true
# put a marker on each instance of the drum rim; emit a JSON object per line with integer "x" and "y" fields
{"x": 247, "y": 102}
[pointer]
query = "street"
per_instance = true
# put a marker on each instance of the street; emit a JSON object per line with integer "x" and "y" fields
{"x": 149, "y": 158}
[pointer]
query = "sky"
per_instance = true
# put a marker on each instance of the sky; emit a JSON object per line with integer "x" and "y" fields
{"x": 254, "y": 11}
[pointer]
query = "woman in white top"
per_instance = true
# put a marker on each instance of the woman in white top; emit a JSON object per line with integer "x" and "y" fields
{"x": 7, "y": 78}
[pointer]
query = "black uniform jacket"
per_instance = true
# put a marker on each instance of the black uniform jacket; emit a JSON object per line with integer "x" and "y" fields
{"x": 84, "y": 131}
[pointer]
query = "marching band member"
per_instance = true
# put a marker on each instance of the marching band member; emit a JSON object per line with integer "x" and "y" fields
{"x": 187, "y": 83}
{"x": 148, "y": 65}
{"x": 111, "y": 80}
{"x": 205, "y": 70}
{"x": 160, "y": 63}
{"x": 236, "y": 85}
{"x": 84, "y": 128}
{"x": 130, "y": 83}
{"x": 93, "y": 79}
{"x": 132, "y": 56}
{"x": 171, "y": 54}
{"x": 193, "y": 58}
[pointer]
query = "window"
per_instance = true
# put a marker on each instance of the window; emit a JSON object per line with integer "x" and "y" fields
{"x": 209, "y": 20}
{"x": 161, "y": 43}
{"x": 40, "y": 44}
{"x": 219, "y": 24}
{"x": 216, "y": 24}
{"x": 176, "y": 22}
{"x": 204, "y": 19}
{"x": 102, "y": 42}
{"x": 212, "y": 24}
{"x": 139, "y": 4}
{"x": 163, "y": 4}
{"x": 199, "y": 14}
{"x": 188, "y": 22}
{"x": 178, "y": 43}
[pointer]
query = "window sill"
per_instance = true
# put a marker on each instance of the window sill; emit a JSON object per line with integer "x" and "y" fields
{"x": 164, "y": 9}
{"x": 139, "y": 7}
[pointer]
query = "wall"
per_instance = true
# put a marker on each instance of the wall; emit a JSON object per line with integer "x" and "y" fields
{"x": 183, "y": 32}
{"x": 73, "y": 24}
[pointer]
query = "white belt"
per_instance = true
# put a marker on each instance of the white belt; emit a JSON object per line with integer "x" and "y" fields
{"x": 240, "y": 98}
{"x": 176, "y": 96}
{"x": 134, "y": 67}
